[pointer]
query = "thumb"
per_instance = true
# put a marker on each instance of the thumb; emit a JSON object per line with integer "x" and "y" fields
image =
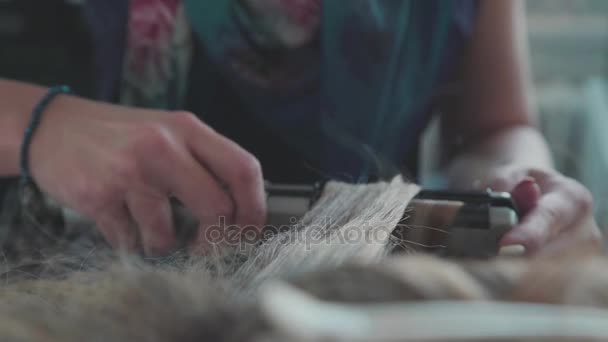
{"x": 526, "y": 195}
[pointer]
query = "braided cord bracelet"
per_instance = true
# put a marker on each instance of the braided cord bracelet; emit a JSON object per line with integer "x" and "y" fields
{"x": 34, "y": 209}
{"x": 26, "y": 177}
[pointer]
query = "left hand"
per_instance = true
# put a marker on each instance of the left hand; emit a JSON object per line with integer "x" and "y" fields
{"x": 556, "y": 212}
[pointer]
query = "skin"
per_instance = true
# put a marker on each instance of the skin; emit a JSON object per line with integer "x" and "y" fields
{"x": 120, "y": 165}
{"x": 491, "y": 140}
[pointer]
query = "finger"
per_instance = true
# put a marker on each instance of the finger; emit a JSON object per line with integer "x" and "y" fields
{"x": 211, "y": 204}
{"x": 152, "y": 213}
{"x": 586, "y": 240}
{"x": 235, "y": 167}
{"x": 526, "y": 195}
{"x": 116, "y": 226}
{"x": 180, "y": 175}
{"x": 200, "y": 192}
{"x": 554, "y": 213}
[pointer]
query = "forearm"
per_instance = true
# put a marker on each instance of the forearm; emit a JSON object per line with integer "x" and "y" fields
{"x": 522, "y": 146}
{"x": 17, "y": 101}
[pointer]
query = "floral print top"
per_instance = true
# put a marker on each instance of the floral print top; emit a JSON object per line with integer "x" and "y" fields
{"x": 347, "y": 86}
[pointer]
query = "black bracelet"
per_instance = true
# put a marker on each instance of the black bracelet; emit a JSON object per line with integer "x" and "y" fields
{"x": 26, "y": 177}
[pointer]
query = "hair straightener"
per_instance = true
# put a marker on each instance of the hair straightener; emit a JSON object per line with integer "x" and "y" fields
{"x": 454, "y": 224}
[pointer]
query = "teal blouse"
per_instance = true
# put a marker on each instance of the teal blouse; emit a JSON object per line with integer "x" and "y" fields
{"x": 355, "y": 100}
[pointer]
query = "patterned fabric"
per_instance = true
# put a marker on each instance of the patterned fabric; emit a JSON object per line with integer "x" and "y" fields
{"x": 345, "y": 87}
{"x": 157, "y": 54}
{"x": 159, "y": 46}
{"x": 373, "y": 69}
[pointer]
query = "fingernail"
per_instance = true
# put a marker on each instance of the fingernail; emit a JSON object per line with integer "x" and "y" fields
{"x": 529, "y": 179}
{"x": 526, "y": 182}
{"x": 526, "y": 195}
{"x": 514, "y": 237}
{"x": 512, "y": 250}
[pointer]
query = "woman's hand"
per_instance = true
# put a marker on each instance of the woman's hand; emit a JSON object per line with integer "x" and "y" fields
{"x": 490, "y": 137}
{"x": 556, "y": 211}
{"x": 120, "y": 166}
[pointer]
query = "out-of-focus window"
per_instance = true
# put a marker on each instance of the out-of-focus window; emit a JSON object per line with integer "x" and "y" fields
{"x": 569, "y": 50}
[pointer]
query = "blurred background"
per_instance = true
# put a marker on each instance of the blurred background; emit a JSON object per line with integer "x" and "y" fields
{"x": 569, "y": 55}
{"x": 569, "y": 49}
{"x": 45, "y": 41}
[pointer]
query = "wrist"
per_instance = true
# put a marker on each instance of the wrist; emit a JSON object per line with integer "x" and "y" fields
{"x": 520, "y": 147}
{"x": 36, "y": 118}
{"x": 18, "y": 100}
{"x": 13, "y": 129}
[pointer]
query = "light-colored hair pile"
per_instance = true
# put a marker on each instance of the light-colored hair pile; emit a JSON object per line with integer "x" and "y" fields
{"x": 330, "y": 277}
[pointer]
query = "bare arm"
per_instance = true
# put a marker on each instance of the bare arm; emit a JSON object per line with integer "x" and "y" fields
{"x": 492, "y": 119}
{"x": 491, "y": 140}
{"x": 120, "y": 166}
{"x": 18, "y": 100}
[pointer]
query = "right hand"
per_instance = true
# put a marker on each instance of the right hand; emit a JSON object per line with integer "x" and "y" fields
{"x": 120, "y": 166}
